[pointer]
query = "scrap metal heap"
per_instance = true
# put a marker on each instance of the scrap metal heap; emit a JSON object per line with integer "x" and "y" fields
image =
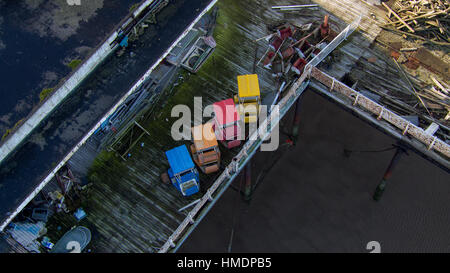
{"x": 291, "y": 47}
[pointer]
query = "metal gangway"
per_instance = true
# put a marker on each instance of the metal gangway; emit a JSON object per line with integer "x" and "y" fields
{"x": 202, "y": 207}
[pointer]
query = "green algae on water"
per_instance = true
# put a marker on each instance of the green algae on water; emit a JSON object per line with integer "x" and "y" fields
{"x": 74, "y": 64}
{"x": 45, "y": 93}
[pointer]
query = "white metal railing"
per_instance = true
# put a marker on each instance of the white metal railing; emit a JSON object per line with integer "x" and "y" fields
{"x": 255, "y": 140}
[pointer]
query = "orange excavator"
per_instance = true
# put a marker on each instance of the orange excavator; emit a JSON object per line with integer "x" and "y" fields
{"x": 205, "y": 150}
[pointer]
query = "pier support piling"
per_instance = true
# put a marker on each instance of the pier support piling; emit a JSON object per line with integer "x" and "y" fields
{"x": 296, "y": 123}
{"x": 248, "y": 182}
{"x": 394, "y": 161}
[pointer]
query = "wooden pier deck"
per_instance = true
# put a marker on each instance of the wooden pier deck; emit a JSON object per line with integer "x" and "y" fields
{"x": 128, "y": 206}
{"x": 129, "y": 209}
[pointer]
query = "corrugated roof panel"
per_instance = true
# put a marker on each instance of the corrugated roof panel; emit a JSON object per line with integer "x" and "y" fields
{"x": 225, "y": 112}
{"x": 204, "y": 136}
{"x": 179, "y": 159}
{"x": 248, "y": 85}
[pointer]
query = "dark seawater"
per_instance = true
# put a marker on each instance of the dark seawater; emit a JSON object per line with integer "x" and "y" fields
{"x": 66, "y": 126}
{"x": 27, "y": 55}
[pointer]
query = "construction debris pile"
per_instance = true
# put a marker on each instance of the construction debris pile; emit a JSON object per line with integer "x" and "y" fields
{"x": 424, "y": 19}
{"x": 65, "y": 196}
{"x": 437, "y": 99}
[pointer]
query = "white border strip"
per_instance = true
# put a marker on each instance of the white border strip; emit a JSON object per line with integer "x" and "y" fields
{"x": 86, "y": 137}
